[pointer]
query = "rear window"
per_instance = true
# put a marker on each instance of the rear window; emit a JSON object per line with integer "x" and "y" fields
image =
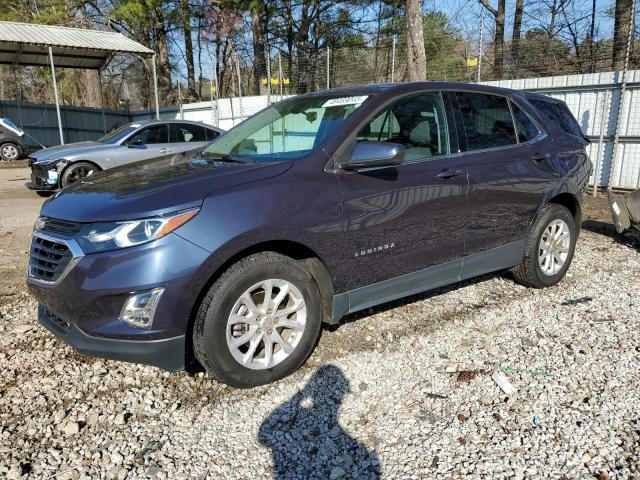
{"x": 559, "y": 115}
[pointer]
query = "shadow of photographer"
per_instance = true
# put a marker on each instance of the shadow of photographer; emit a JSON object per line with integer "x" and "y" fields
{"x": 305, "y": 438}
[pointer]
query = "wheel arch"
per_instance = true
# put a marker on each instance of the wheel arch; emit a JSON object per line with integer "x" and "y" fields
{"x": 75, "y": 162}
{"x": 572, "y": 203}
{"x": 289, "y": 248}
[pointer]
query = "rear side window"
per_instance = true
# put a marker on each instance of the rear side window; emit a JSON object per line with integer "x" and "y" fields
{"x": 211, "y": 134}
{"x": 558, "y": 114}
{"x": 184, "y": 132}
{"x": 524, "y": 126}
{"x": 418, "y": 122}
{"x": 487, "y": 120}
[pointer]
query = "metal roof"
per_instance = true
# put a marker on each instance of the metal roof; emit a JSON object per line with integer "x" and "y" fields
{"x": 28, "y": 44}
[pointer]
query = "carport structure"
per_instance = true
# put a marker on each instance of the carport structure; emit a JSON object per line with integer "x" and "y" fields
{"x": 38, "y": 45}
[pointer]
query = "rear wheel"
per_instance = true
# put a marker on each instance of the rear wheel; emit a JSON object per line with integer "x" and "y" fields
{"x": 549, "y": 248}
{"x": 9, "y": 151}
{"x": 259, "y": 321}
{"x": 76, "y": 172}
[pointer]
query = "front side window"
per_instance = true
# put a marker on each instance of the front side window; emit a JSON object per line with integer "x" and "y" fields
{"x": 288, "y": 130}
{"x": 152, "y": 135}
{"x": 418, "y": 122}
{"x": 487, "y": 120}
{"x": 524, "y": 125}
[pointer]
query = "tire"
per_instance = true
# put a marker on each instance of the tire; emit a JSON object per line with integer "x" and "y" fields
{"x": 543, "y": 272}
{"x": 77, "y": 171}
{"x": 9, "y": 151}
{"x": 44, "y": 193}
{"x": 213, "y": 335}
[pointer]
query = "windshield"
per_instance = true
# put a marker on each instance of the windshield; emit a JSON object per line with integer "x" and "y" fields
{"x": 118, "y": 134}
{"x": 288, "y": 130}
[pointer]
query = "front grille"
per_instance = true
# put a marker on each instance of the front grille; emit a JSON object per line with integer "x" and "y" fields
{"x": 51, "y": 317}
{"x": 49, "y": 259}
{"x": 39, "y": 174}
{"x": 63, "y": 227}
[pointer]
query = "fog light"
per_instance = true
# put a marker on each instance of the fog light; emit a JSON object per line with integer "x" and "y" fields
{"x": 52, "y": 177}
{"x": 139, "y": 309}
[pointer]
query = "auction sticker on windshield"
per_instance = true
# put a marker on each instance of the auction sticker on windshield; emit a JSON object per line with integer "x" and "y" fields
{"x": 336, "y": 102}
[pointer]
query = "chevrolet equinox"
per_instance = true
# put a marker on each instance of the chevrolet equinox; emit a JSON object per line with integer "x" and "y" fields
{"x": 314, "y": 208}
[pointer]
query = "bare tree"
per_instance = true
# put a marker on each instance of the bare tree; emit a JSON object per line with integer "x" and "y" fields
{"x": 517, "y": 33}
{"x": 416, "y": 56}
{"x": 498, "y": 40}
{"x": 622, "y": 25}
{"x": 185, "y": 15}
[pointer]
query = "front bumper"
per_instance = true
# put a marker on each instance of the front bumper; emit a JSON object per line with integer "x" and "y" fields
{"x": 42, "y": 178}
{"x": 166, "y": 353}
{"x": 83, "y": 308}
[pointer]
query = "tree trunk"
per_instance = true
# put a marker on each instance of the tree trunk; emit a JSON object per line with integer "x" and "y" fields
{"x": 188, "y": 48}
{"x": 416, "y": 56}
{"x": 623, "y": 19}
{"x": 498, "y": 46}
{"x": 162, "y": 50}
{"x": 258, "y": 26}
{"x": 498, "y": 40}
{"x": 517, "y": 32}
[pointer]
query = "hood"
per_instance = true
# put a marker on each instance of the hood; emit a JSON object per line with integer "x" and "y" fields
{"x": 64, "y": 151}
{"x": 152, "y": 188}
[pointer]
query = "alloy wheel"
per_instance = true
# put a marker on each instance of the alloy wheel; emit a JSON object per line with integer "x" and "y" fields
{"x": 10, "y": 152}
{"x": 266, "y": 324}
{"x": 78, "y": 173}
{"x": 554, "y": 247}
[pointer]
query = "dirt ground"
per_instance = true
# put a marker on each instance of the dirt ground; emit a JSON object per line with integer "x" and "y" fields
{"x": 19, "y": 208}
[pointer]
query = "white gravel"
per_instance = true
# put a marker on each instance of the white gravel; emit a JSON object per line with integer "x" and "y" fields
{"x": 405, "y": 391}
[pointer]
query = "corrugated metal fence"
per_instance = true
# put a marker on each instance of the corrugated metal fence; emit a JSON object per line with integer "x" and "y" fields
{"x": 594, "y": 100}
{"x": 79, "y": 123}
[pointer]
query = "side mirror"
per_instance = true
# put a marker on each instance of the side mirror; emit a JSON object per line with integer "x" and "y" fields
{"x": 372, "y": 155}
{"x": 136, "y": 143}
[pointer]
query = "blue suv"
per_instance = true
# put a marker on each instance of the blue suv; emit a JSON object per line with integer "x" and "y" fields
{"x": 312, "y": 209}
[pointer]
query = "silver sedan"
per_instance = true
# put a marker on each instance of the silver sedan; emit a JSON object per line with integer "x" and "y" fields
{"x": 56, "y": 167}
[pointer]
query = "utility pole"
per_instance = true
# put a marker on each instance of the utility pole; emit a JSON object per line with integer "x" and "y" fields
{"x": 393, "y": 59}
{"x": 480, "y": 45}
{"x": 623, "y": 89}
{"x": 280, "y": 79}
{"x": 180, "y": 99}
{"x": 328, "y": 80}
{"x": 268, "y": 75}
{"x": 239, "y": 86}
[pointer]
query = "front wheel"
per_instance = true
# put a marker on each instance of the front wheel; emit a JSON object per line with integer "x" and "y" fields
{"x": 549, "y": 248}
{"x": 76, "y": 172}
{"x": 259, "y": 321}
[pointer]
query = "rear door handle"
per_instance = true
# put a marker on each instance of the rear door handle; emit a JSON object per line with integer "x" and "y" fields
{"x": 449, "y": 173}
{"x": 166, "y": 150}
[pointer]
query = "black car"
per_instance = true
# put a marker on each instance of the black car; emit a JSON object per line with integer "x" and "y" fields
{"x": 11, "y": 140}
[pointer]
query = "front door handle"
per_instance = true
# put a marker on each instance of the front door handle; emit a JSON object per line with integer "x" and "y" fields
{"x": 539, "y": 157}
{"x": 449, "y": 173}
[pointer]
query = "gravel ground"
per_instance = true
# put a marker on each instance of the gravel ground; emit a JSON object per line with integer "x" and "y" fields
{"x": 404, "y": 390}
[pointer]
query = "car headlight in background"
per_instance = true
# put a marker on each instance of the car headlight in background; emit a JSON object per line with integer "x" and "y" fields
{"x": 105, "y": 236}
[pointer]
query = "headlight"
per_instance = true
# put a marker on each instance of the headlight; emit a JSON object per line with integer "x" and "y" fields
{"x": 101, "y": 237}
